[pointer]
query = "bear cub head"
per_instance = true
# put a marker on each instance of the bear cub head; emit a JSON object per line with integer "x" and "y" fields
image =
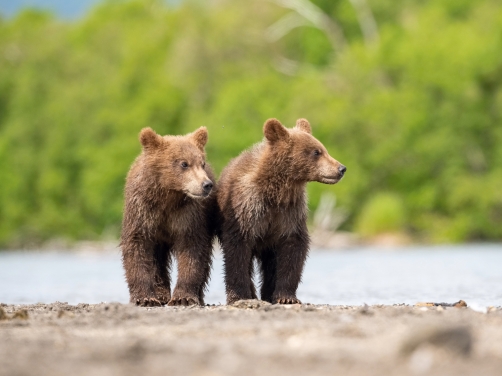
{"x": 178, "y": 162}
{"x": 310, "y": 161}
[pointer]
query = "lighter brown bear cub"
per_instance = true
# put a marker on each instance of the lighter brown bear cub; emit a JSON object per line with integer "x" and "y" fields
{"x": 169, "y": 204}
{"x": 263, "y": 211}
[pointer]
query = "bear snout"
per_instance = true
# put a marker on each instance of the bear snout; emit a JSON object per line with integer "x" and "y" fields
{"x": 199, "y": 189}
{"x": 207, "y": 186}
{"x": 342, "y": 170}
{"x": 332, "y": 173}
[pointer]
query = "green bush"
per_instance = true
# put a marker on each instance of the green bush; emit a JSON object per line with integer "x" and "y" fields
{"x": 419, "y": 114}
{"x": 383, "y": 213}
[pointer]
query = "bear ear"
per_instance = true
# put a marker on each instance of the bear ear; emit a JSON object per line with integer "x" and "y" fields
{"x": 149, "y": 139}
{"x": 199, "y": 137}
{"x": 274, "y": 131}
{"x": 304, "y": 125}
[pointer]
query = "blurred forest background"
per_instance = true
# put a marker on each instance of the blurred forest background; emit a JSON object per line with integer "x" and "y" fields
{"x": 407, "y": 94}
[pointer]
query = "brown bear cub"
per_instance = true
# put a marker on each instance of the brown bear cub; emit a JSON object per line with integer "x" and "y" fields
{"x": 169, "y": 207}
{"x": 263, "y": 211}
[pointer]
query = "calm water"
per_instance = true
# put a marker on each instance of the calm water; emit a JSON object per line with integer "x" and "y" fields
{"x": 439, "y": 274}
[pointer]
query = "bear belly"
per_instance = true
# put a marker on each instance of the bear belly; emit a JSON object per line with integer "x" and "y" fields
{"x": 275, "y": 224}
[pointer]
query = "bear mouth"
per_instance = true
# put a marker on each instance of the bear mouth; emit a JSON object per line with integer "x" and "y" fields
{"x": 197, "y": 196}
{"x": 330, "y": 179}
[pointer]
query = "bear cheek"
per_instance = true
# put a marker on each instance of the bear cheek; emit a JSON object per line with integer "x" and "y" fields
{"x": 310, "y": 172}
{"x": 172, "y": 179}
{"x": 172, "y": 182}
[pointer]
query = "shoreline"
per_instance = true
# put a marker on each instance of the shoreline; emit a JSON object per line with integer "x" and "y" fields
{"x": 316, "y": 246}
{"x": 248, "y": 338}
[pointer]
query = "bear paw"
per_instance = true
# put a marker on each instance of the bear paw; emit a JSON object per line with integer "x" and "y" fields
{"x": 149, "y": 302}
{"x": 182, "y": 298}
{"x": 183, "y": 302}
{"x": 287, "y": 300}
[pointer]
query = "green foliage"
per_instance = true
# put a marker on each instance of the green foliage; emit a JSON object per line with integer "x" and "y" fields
{"x": 418, "y": 114}
{"x": 383, "y": 213}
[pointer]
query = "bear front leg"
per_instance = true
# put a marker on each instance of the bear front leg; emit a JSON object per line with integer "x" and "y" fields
{"x": 238, "y": 260}
{"x": 194, "y": 257}
{"x": 146, "y": 273}
{"x": 291, "y": 256}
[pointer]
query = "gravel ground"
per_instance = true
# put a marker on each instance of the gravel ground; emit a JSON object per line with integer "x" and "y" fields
{"x": 249, "y": 338}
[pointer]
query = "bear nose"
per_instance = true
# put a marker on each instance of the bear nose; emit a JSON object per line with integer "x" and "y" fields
{"x": 342, "y": 169}
{"x": 207, "y": 186}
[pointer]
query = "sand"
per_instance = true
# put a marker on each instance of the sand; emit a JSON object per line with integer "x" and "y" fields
{"x": 251, "y": 338}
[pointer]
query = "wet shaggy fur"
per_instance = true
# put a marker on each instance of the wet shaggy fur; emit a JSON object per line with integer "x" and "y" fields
{"x": 169, "y": 204}
{"x": 263, "y": 211}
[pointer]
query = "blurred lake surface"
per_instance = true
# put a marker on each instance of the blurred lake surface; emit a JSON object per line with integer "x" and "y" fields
{"x": 365, "y": 275}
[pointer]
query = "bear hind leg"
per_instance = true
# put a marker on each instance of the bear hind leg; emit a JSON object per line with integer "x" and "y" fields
{"x": 268, "y": 265}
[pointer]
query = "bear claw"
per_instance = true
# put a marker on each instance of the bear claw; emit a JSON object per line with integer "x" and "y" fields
{"x": 183, "y": 302}
{"x": 287, "y": 301}
{"x": 148, "y": 302}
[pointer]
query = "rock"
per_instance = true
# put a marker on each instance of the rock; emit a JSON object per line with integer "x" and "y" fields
{"x": 3, "y": 315}
{"x": 365, "y": 310}
{"x": 459, "y": 304}
{"x": 22, "y": 314}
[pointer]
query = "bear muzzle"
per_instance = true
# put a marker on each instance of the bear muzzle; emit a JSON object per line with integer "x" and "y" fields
{"x": 207, "y": 186}
{"x": 334, "y": 178}
{"x": 201, "y": 190}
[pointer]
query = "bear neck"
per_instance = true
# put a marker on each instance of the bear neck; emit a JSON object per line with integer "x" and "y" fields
{"x": 276, "y": 178}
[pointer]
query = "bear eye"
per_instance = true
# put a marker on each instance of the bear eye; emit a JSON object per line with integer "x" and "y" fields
{"x": 317, "y": 153}
{"x": 184, "y": 164}
{"x": 203, "y": 164}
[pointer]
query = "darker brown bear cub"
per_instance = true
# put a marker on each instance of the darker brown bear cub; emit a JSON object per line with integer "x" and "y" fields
{"x": 263, "y": 211}
{"x": 169, "y": 204}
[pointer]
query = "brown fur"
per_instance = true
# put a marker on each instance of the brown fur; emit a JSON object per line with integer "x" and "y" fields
{"x": 168, "y": 213}
{"x": 263, "y": 210}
